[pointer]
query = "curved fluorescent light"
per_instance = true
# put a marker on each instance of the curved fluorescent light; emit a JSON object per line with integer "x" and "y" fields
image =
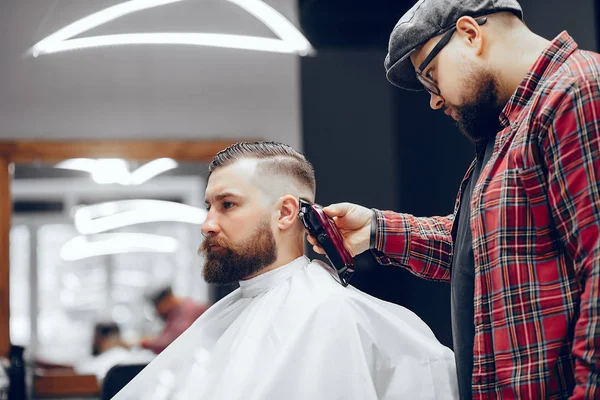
{"x": 81, "y": 247}
{"x": 117, "y": 214}
{"x": 151, "y": 169}
{"x": 277, "y": 23}
{"x": 116, "y": 170}
{"x": 96, "y": 19}
{"x": 78, "y": 164}
{"x": 290, "y": 39}
{"x": 200, "y": 39}
{"x": 111, "y": 170}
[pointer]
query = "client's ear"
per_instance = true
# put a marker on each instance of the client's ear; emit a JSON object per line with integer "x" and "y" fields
{"x": 288, "y": 211}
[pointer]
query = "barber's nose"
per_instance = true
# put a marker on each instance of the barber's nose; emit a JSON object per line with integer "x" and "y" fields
{"x": 436, "y": 101}
{"x": 210, "y": 227}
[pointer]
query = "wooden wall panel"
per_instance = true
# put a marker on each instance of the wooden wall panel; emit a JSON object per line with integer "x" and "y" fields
{"x": 27, "y": 151}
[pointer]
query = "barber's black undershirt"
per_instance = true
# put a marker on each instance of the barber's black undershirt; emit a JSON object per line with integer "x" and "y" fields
{"x": 462, "y": 280}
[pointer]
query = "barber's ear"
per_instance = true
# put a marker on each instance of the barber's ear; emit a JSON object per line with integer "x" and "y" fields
{"x": 288, "y": 211}
{"x": 470, "y": 31}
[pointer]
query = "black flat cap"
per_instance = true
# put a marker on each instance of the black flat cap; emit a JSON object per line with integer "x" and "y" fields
{"x": 426, "y": 20}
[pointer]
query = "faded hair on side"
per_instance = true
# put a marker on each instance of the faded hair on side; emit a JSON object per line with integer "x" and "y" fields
{"x": 278, "y": 158}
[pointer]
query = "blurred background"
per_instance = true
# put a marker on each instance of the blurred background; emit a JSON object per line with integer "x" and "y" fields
{"x": 370, "y": 144}
{"x": 85, "y": 249}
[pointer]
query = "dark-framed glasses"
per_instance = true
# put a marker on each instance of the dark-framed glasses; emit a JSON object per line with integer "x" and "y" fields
{"x": 429, "y": 84}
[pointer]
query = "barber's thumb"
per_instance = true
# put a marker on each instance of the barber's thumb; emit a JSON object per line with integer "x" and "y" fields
{"x": 337, "y": 210}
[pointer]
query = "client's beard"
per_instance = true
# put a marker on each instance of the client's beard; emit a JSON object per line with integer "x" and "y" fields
{"x": 230, "y": 263}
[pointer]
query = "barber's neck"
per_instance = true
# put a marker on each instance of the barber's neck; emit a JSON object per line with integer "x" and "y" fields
{"x": 515, "y": 57}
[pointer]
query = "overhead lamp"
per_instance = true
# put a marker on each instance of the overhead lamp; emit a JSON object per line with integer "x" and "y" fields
{"x": 291, "y": 40}
{"x": 81, "y": 247}
{"x": 106, "y": 216}
{"x": 116, "y": 170}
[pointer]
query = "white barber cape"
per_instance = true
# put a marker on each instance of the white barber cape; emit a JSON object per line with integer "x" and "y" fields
{"x": 295, "y": 333}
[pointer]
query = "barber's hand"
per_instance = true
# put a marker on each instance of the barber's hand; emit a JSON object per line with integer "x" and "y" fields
{"x": 354, "y": 223}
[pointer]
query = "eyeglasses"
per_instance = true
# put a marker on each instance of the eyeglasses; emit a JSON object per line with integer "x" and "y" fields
{"x": 429, "y": 84}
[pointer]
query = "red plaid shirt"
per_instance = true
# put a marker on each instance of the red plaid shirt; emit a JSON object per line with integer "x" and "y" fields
{"x": 535, "y": 220}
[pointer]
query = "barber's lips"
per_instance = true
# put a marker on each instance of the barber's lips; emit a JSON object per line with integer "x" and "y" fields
{"x": 449, "y": 112}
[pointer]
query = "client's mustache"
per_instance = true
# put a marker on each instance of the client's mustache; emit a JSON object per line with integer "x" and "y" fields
{"x": 213, "y": 241}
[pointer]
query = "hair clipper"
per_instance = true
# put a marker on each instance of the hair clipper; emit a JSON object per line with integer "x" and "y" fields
{"x": 325, "y": 231}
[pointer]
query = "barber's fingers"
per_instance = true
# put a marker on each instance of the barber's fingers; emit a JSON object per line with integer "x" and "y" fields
{"x": 353, "y": 243}
{"x": 337, "y": 209}
{"x": 318, "y": 249}
{"x": 349, "y": 217}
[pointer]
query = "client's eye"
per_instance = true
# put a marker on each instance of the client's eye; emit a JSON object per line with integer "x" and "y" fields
{"x": 227, "y": 204}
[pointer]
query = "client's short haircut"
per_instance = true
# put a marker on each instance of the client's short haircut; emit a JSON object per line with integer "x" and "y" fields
{"x": 276, "y": 158}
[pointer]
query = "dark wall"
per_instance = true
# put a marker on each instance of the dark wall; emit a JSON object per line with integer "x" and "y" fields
{"x": 579, "y": 18}
{"x": 348, "y": 131}
{"x": 378, "y": 146}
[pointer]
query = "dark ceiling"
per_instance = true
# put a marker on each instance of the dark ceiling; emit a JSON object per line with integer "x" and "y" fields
{"x": 331, "y": 24}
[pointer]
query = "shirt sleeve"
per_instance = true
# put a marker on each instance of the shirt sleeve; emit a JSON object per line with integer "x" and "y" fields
{"x": 571, "y": 146}
{"x": 423, "y": 245}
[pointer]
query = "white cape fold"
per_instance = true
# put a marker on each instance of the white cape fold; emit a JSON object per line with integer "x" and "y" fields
{"x": 295, "y": 333}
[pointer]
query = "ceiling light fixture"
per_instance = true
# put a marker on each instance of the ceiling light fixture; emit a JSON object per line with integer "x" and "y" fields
{"x": 103, "y": 217}
{"x": 81, "y": 247}
{"x": 290, "y": 39}
{"x": 116, "y": 170}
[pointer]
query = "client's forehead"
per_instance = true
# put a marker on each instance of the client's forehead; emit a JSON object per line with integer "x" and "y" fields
{"x": 237, "y": 177}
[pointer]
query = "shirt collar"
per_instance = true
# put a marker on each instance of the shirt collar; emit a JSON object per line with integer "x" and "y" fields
{"x": 545, "y": 66}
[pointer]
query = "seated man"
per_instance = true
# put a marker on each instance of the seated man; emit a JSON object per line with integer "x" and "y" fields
{"x": 178, "y": 314}
{"x": 291, "y": 331}
{"x": 107, "y": 335}
{"x": 108, "y": 350}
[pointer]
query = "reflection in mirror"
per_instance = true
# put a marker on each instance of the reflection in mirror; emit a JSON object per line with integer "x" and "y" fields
{"x": 90, "y": 239}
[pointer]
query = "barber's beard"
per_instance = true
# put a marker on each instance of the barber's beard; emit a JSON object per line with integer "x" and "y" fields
{"x": 230, "y": 263}
{"x": 479, "y": 119}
